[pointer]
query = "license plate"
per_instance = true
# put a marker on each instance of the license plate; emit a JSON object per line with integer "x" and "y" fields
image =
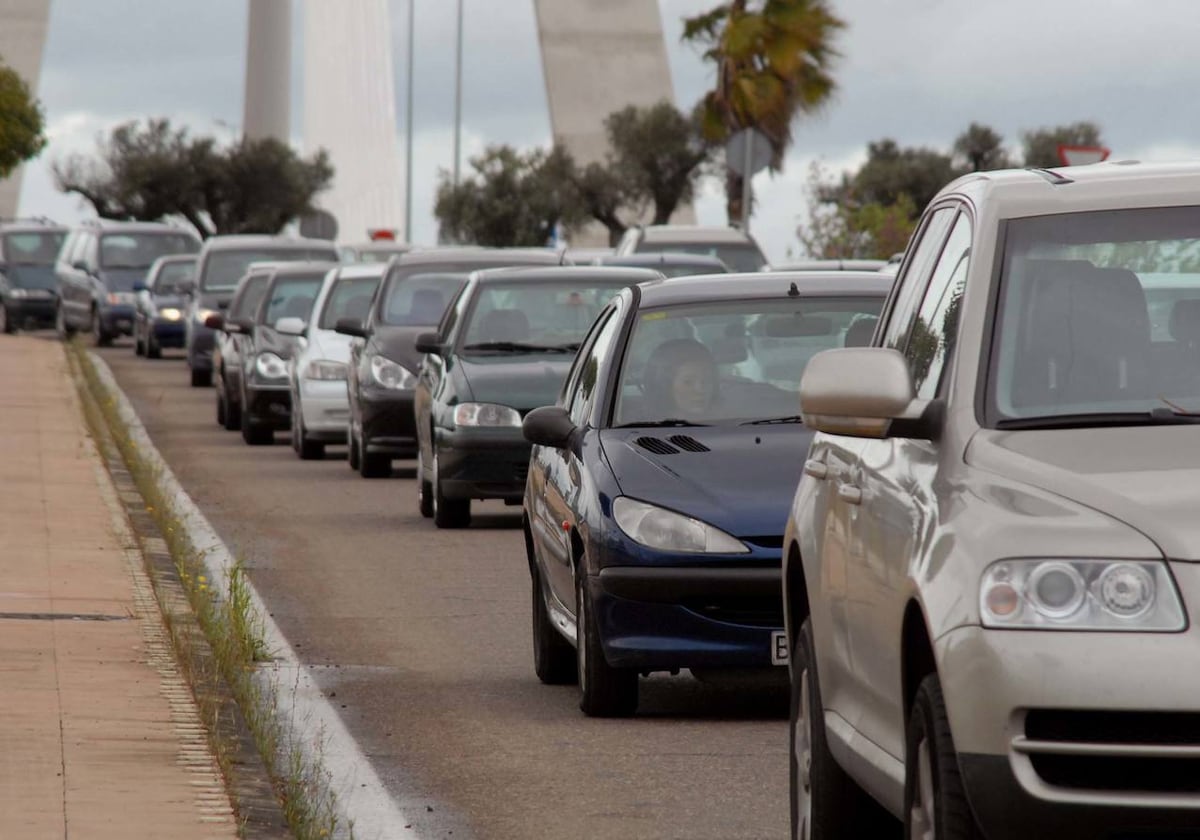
{"x": 779, "y": 647}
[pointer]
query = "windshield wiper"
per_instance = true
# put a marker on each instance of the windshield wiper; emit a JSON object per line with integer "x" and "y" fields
{"x": 1153, "y": 417}
{"x": 775, "y": 421}
{"x": 522, "y": 347}
{"x": 660, "y": 424}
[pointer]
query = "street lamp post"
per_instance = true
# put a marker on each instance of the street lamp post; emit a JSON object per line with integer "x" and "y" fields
{"x": 458, "y": 73}
{"x": 408, "y": 127}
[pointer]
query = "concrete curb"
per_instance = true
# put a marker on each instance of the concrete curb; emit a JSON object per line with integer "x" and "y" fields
{"x": 365, "y": 809}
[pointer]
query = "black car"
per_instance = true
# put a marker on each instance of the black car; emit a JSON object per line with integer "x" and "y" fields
{"x": 503, "y": 349}
{"x": 230, "y": 339}
{"x": 667, "y": 263}
{"x": 98, "y": 267}
{"x": 222, "y": 262}
{"x": 28, "y": 286}
{"x": 265, "y": 394}
{"x": 415, "y": 293}
{"x": 659, "y": 489}
{"x": 158, "y": 306}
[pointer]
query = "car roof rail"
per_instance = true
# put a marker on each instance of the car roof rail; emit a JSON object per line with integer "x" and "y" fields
{"x": 29, "y": 220}
{"x": 1055, "y": 178}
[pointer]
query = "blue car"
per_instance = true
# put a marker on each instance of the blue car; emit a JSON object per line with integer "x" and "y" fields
{"x": 659, "y": 484}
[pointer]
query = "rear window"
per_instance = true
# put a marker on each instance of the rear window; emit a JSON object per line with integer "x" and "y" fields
{"x": 35, "y": 248}
{"x": 739, "y": 258}
{"x": 223, "y": 268}
{"x": 140, "y": 250}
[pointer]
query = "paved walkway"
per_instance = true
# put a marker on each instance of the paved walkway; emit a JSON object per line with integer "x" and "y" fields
{"x": 99, "y": 736}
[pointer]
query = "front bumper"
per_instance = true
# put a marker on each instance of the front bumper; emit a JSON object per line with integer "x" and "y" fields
{"x": 117, "y": 320}
{"x": 169, "y": 333}
{"x": 325, "y": 408}
{"x": 37, "y": 310}
{"x": 268, "y": 405}
{"x": 483, "y": 463}
{"x": 660, "y": 618}
{"x": 389, "y": 426}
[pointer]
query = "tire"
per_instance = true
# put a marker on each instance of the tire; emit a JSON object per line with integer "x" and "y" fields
{"x": 222, "y": 409}
{"x": 935, "y": 804}
{"x": 99, "y": 337}
{"x": 372, "y": 464}
{"x": 424, "y": 487}
{"x": 307, "y": 449}
{"x": 352, "y": 446}
{"x": 257, "y": 435}
{"x": 448, "y": 513}
{"x": 604, "y": 691}
{"x": 553, "y": 656}
{"x": 825, "y": 802}
{"x": 201, "y": 378}
{"x": 153, "y": 350}
{"x": 7, "y": 326}
{"x": 233, "y": 412}
{"x": 65, "y": 331}
{"x": 139, "y": 349}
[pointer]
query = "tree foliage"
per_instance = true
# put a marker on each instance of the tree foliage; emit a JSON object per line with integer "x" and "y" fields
{"x": 22, "y": 124}
{"x": 1041, "y": 145}
{"x": 980, "y": 148}
{"x": 148, "y": 171}
{"x": 774, "y": 60}
{"x": 840, "y": 226}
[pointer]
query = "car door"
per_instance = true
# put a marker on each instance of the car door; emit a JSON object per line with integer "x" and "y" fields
{"x": 899, "y": 501}
{"x": 832, "y": 475}
{"x": 73, "y": 282}
{"x": 431, "y": 378}
{"x": 559, "y": 500}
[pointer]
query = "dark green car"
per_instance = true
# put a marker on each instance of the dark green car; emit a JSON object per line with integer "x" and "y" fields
{"x": 502, "y": 350}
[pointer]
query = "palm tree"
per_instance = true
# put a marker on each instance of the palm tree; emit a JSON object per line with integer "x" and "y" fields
{"x": 773, "y": 61}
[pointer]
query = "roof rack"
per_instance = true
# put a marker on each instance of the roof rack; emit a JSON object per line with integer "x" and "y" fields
{"x": 32, "y": 220}
{"x": 1055, "y": 178}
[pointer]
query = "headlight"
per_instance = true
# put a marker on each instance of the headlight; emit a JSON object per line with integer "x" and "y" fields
{"x": 325, "y": 370}
{"x": 270, "y": 366}
{"x": 394, "y": 377}
{"x": 486, "y": 414}
{"x": 667, "y": 530}
{"x": 170, "y": 314}
{"x": 18, "y": 293}
{"x": 201, "y": 315}
{"x": 1081, "y": 595}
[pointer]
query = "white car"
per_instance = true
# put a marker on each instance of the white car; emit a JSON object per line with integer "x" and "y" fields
{"x": 320, "y": 404}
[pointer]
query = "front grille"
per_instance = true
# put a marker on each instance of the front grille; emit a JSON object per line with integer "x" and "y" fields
{"x": 749, "y": 612}
{"x": 1130, "y": 752}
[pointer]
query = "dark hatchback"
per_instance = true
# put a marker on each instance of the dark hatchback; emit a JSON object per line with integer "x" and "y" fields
{"x": 266, "y": 395}
{"x": 158, "y": 305}
{"x": 231, "y": 335}
{"x": 660, "y": 483}
{"x": 503, "y": 349}
{"x": 414, "y": 295}
{"x": 28, "y": 284}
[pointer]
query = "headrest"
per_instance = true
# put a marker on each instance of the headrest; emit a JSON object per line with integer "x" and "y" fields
{"x": 1185, "y": 321}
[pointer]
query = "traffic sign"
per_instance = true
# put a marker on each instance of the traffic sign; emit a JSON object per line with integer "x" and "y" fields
{"x": 1082, "y": 155}
{"x": 748, "y": 151}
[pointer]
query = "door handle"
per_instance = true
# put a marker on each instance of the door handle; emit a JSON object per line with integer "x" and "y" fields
{"x": 817, "y": 469}
{"x": 850, "y": 494}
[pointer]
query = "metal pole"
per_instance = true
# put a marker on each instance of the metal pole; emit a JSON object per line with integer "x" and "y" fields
{"x": 408, "y": 127}
{"x": 458, "y": 73}
{"x": 747, "y": 175}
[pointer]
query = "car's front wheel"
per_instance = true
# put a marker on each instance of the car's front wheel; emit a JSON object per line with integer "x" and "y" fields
{"x": 307, "y": 448}
{"x": 352, "y": 446}
{"x": 604, "y": 691}
{"x": 826, "y": 803}
{"x": 201, "y": 378}
{"x": 153, "y": 348}
{"x": 64, "y": 330}
{"x": 372, "y": 464}
{"x": 935, "y": 803}
{"x": 99, "y": 337}
{"x": 424, "y": 486}
{"x": 447, "y": 513}
{"x": 553, "y": 656}
{"x": 7, "y": 325}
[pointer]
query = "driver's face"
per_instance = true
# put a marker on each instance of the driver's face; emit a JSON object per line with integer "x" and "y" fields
{"x": 692, "y": 387}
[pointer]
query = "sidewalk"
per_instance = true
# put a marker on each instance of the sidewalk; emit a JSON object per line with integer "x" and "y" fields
{"x": 99, "y": 736}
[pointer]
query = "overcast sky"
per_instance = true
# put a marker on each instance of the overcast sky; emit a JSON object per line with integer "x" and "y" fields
{"x": 915, "y": 70}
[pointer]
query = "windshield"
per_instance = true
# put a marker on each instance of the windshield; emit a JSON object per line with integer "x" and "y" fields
{"x": 292, "y": 297}
{"x": 742, "y": 258}
{"x": 1100, "y": 314}
{"x": 420, "y": 299}
{"x": 223, "y": 269}
{"x": 349, "y": 298}
{"x": 535, "y": 315}
{"x": 710, "y": 363}
{"x": 32, "y": 248}
{"x": 139, "y": 250}
{"x": 171, "y": 274}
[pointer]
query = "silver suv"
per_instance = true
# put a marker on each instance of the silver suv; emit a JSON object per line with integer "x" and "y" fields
{"x": 991, "y": 555}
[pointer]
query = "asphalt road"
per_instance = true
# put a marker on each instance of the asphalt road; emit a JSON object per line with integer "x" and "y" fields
{"x": 422, "y": 639}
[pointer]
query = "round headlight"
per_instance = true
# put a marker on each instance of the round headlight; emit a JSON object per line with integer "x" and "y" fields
{"x": 1126, "y": 591}
{"x": 1056, "y": 590}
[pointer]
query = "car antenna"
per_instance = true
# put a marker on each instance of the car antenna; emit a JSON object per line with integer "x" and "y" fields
{"x": 793, "y": 291}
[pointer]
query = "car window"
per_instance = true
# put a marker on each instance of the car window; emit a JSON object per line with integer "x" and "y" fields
{"x": 223, "y": 268}
{"x": 170, "y": 275}
{"x": 291, "y": 297}
{"x": 553, "y": 314}
{"x": 934, "y": 332}
{"x": 916, "y": 277}
{"x": 1099, "y": 313}
{"x": 246, "y": 306}
{"x": 32, "y": 248}
{"x": 140, "y": 250}
{"x": 732, "y": 362}
{"x": 743, "y": 258}
{"x": 588, "y": 366}
{"x": 350, "y": 297}
{"x": 420, "y": 300}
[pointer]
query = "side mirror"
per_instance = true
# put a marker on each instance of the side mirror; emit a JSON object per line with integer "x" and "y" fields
{"x": 549, "y": 426}
{"x": 291, "y": 326}
{"x": 215, "y": 322}
{"x": 350, "y": 326}
{"x": 429, "y": 343}
{"x": 186, "y": 287}
{"x": 862, "y": 392}
{"x": 140, "y": 287}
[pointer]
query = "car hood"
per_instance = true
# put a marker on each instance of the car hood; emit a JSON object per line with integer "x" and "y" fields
{"x": 165, "y": 301}
{"x": 1144, "y": 476}
{"x": 399, "y": 344}
{"x": 327, "y": 344}
{"x": 524, "y": 382}
{"x": 270, "y": 340}
{"x": 743, "y": 484}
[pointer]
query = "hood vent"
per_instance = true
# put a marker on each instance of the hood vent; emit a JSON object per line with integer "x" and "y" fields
{"x": 658, "y": 447}
{"x": 688, "y": 444}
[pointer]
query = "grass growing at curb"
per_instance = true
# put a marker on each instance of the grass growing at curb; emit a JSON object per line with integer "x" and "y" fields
{"x": 232, "y": 628}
